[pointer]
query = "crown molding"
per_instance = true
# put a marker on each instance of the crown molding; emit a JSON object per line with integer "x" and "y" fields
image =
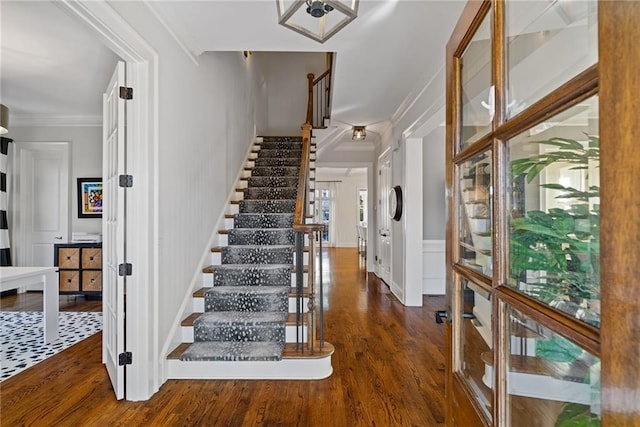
{"x": 186, "y": 43}
{"x": 419, "y": 91}
{"x": 20, "y": 120}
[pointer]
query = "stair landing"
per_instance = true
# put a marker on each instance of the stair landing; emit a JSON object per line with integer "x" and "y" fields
{"x": 294, "y": 365}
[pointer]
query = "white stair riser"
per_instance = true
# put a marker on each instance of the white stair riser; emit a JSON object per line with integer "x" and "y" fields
{"x": 292, "y": 369}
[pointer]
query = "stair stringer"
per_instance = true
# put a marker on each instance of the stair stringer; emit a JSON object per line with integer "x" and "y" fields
{"x": 186, "y": 307}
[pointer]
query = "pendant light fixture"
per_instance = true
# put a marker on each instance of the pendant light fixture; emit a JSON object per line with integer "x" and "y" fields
{"x": 317, "y": 19}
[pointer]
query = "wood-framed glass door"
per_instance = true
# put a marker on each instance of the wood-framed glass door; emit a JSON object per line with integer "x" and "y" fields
{"x": 530, "y": 299}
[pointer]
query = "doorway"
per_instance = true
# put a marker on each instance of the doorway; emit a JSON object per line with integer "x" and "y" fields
{"x": 325, "y": 197}
{"x": 383, "y": 255}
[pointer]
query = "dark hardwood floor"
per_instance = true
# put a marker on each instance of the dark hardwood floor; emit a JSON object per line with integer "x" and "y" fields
{"x": 388, "y": 371}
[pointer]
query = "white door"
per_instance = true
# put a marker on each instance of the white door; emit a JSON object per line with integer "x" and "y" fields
{"x": 113, "y": 229}
{"x": 43, "y": 201}
{"x": 383, "y": 265}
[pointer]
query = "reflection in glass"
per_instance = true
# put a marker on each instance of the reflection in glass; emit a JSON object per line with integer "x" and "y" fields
{"x": 475, "y": 213}
{"x": 555, "y": 210}
{"x": 548, "y": 43}
{"x": 550, "y": 380}
{"x": 478, "y": 99}
{"x": 476, "y": 328}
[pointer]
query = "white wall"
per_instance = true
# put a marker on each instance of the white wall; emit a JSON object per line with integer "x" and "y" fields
{"x": 206, "y": 122}
{"x": 421, "y": 118}
{"x": 433, "y": 176}
{"x": 86, "y": 160}
{"x": 346, "y": 211}
{"x": 287, "y": 88}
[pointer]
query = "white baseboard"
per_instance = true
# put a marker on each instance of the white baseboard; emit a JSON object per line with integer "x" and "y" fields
{"x": 433, "y": 271}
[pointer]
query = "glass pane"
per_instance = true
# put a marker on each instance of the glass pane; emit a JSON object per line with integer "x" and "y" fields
{"x": 475, "y": 213}
{"x": 476, "y": 327}
{"x": 477, "y": 92}
{"x": 548, "y": 43}
{"x": 550, "y": 380}
{"x": 555, "y": 210}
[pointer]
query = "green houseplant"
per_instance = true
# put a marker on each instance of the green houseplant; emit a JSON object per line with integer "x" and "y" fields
{"x": 562, "y": 246}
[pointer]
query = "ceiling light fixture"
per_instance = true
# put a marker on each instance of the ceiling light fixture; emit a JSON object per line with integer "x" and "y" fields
{"x": 359, "y": 133}
{"x": 4, "y": 119}
{"x": 311, "y": 17}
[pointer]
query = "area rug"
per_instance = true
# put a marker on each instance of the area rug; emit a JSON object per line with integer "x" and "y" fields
{"x": 21, "y": 337}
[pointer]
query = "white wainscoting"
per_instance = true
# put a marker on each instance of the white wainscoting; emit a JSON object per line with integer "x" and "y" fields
{"x": 433, "y": 271}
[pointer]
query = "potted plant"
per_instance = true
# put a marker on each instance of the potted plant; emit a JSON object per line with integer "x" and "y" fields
{"x": 560, "y": 247}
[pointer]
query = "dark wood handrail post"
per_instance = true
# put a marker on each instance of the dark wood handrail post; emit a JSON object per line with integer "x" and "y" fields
{"x": 310, "y": 78}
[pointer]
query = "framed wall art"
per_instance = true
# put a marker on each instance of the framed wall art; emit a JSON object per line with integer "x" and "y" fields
{"x": 89, "y": 197}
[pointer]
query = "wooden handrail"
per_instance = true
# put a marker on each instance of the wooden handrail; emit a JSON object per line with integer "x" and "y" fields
{"x": 303, "y": 185}
{"x": 322, "y": 76}
{"x": 309, "y": 104}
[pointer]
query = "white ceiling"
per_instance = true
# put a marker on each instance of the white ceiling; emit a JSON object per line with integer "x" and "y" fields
{"x": 51, "y": 64}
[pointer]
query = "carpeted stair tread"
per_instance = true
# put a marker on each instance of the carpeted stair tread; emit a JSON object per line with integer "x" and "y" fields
{"x": 248, "y": 289}
{"x": 270, "y": 193}
{"x": 275, "y": 171}
{"x": 248, "y": 267}
{"x": 253, "y": 254}
{"x": 267, "y": 206}
{"x": 272, "y": 181}
{"x": 240, "y": 318}
{"x": 247, "y": 299}
{"x": 276, "y": 161}
{"x": 240, "y": 326}
{"x": 261, "y": 236}
{"x": 233, "y": 351}
{"x": 281, "y": 153}
{"x": 263, "y": 220}
{"x": 250, "y": 274}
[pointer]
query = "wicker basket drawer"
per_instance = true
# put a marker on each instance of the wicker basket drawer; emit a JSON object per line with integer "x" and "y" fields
{"x": 92, "y": 281}
{"x": 69, "y": 281}
{"x": 92, "y": 258}
{"x": 69, "y": 257}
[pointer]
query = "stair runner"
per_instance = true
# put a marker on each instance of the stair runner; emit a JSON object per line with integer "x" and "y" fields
{"x": 247, "y": 307}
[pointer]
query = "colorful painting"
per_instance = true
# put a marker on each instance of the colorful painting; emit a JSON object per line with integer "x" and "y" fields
{"x": 89, "y": 198}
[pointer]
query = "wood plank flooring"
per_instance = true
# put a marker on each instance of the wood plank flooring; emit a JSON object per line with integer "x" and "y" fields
{"x": 388, "y": 371}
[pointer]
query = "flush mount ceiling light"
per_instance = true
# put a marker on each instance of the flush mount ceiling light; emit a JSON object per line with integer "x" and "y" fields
{"x": 4, "y": 119}
{"x": 316, "y": 19}
{"x": 359, "y": 133}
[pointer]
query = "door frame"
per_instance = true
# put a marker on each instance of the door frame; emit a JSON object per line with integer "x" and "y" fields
{"x": 145, "y": 375}
{"x": 21, "y": 241}
{"x": 379, "y": 213}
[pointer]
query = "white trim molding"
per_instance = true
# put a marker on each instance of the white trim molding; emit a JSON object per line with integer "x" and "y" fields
{"x": 433, "y": 272}
{"x": 23, "y": 120}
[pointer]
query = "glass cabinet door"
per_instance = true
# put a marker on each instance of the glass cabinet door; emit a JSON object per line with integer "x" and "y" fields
{"x": 554, "y": 225}
{"x": 550, "y": 380}
{"x": 548, "y": 43}
{"x": 475, "y": 213}
{"x": 524, "y": 221}
{"x": 477, "y": 92}
{"x": 474, "y": 316}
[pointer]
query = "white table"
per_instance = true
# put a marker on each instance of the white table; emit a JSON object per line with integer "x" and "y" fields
{"x": 17, "y": 277}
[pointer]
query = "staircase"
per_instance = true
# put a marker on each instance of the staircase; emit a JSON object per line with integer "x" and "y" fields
{"x": 244, "y": 321}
